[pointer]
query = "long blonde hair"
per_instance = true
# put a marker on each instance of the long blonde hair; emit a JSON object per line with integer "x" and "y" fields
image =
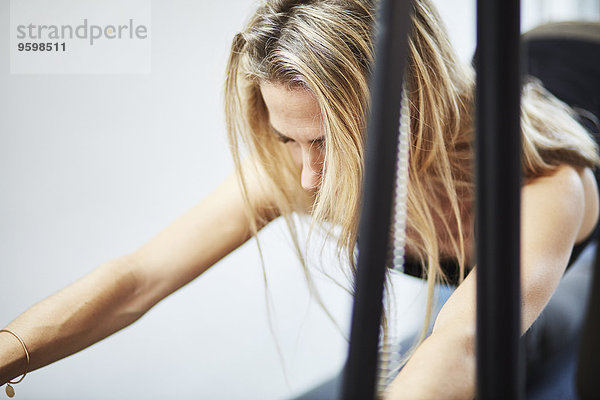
{"x": 326, "y": 47}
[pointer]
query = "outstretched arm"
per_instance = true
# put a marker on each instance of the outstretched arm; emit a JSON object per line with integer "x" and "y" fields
{"x": 120, "y": 291}
{"x": 557, "y": 211}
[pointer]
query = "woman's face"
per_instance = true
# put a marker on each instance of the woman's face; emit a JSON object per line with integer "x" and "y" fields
{"x": 295, "y": 119}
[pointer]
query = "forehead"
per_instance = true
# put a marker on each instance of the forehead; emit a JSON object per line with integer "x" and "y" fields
{"x": 294, "y": 112}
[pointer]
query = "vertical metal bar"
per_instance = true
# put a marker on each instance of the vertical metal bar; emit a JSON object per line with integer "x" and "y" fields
{"x": 587, "y": 382}
{"x": 498, "y": 181}
{"x": 380, "y": 161}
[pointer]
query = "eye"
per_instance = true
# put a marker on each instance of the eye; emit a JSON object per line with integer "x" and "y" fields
{"x": 284, "y": 139}
{"x": 319, "y": 144}
{"x": 281, "y": 137}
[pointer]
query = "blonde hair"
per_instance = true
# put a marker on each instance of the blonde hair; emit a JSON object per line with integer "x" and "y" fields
{"x": 326, "y": 47}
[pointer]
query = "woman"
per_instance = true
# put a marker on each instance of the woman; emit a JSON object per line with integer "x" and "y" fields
{"x": 296, "y": 101}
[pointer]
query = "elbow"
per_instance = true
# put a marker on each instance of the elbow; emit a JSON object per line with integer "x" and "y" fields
{"x": 458, "y": 336}
{"x": 458, "y": 331}
{"x": 129, "y": 293}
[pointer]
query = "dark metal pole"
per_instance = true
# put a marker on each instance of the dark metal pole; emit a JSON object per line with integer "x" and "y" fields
{"x": 498, "y": 146}
{"x": 587, "y": 382}
{"x": 380, "y": 164}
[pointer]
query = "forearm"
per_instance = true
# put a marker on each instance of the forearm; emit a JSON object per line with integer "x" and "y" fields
{"x": 443, "y": 367}
{"x": 85, "y": 312}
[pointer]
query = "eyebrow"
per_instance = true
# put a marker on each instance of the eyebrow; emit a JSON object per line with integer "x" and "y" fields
{"x": 287, "y": 139}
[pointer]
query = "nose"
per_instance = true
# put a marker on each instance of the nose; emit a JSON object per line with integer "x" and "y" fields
{"x": 312, "y": 170}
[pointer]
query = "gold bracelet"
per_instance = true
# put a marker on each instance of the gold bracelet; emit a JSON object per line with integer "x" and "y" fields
{"x": 10, "y": 391}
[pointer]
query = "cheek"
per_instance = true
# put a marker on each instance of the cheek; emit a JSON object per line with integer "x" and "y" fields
{"x": 321, "y": 156}
{"x": 317, "y": 161}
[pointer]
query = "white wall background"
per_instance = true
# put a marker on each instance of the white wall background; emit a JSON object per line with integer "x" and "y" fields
{"x": 535, "y": 12}
{"x": 92, "y": 166}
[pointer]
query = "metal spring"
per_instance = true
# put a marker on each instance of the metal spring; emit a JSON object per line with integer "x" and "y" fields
{"x": 389, "y": 348}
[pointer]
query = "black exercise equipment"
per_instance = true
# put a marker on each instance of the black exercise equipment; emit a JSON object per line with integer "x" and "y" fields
{"x": 498, "y": 188}
{"x": 565, "y": 57}
{"x": 360, "y": 374}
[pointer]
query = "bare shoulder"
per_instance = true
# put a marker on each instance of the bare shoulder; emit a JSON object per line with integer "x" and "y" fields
{"x": 571, "y": 192}
{"x": 564, "y": 177}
